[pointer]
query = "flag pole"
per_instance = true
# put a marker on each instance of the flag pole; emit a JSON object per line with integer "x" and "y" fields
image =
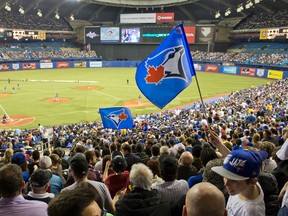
{"x": 200, "y": 95}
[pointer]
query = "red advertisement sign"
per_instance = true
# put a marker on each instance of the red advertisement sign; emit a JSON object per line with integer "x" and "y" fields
{"x": 4, "y": 67}
{"x": 164, "y": 17}
{"x": 211, "y": 68}
{"x": 190, "y": 33}
{"x": 28, "y": 66}
{"x": 63, "y": 65}
{"x": 248, "y": 71}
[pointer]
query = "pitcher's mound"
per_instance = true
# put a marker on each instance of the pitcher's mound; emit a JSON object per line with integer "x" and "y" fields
{"x": 60, "y": 100}
{"x": 135, "y": 103}
{"x": 17, "y": 120}
{"x": 87, "y": 88}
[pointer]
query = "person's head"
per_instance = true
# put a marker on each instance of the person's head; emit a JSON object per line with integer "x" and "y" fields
{"x": 20, "y": 159}
{"x": 126, "y": 149}
{"x": 207, "y": 154}
{"x": 119, "y": 164}
{"x": 91, "y": 157}
{"x": 35, "y": 155}
{"x": 164, "y": 150}
{"x": 8, "y": 155}
{"x": 196, "y": 151}
{"x": 45, "y": 162}
{"x": 39, "y": 180}
{"x": 155, "y": 150}
{"x": 141, "y": 176}
{"x": 11, "y": 181}
{"x": 154, "y": 166}
{"x": 186, "y": 159}
{"x": 81, "y": 201}
{"x": 56, "y": 160}
{"x": 269, "y": 147}
{"x": 139, "y": 147}
{"x": 204, "y": 199}
{"x": 240, "y": 170}
{"x": 169, "y": 168}
{"x": 79, "y": 166}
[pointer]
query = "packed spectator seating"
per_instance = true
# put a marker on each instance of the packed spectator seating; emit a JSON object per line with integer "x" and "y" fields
{"x": 11, "y": 20}
{"x": 265, "y": 20}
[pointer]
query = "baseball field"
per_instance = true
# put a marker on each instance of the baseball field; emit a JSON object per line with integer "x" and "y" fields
{"x": 81, "y": 92}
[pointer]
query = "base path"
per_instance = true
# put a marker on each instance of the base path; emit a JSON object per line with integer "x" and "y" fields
{"x": 17, "y": 120}
{"x": 4, "y": 95}
{"x": 87, "y": 88}
{"x": 134, "y": 103}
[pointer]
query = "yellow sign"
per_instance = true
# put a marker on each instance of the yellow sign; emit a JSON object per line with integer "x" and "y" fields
{"x": 42, "y": 35}
{"x": 263, "y": 34}
{"x": 275, "y": 74}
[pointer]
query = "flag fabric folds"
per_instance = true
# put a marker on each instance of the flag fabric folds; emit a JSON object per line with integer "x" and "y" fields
{"x": 168, "y": 70}
{"x": 116, "y": 118}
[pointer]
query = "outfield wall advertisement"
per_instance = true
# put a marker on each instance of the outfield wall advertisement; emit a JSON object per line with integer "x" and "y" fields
{"x": 275, "y": 74}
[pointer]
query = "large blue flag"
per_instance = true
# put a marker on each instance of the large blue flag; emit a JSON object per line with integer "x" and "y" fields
{"x": 116, "y": 117}
{"x": 168, "y": 70}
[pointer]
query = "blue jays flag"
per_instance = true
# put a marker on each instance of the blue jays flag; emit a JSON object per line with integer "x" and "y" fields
{"x": 168, "y": 70}
{"x": 116, "y": 117}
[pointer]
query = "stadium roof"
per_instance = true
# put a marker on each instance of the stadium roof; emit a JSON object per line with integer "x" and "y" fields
{"x": 97, "y": 11}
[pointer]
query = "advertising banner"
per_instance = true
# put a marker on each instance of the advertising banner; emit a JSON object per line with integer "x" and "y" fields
{"x": 94, "y": 64}
{"x": 63, "y": 64}
{"x": 229, "y": 70}
{"x": 15, "y": 66}
{"x": 28, "y": 66}
{"x": 275, "y": 74}
{"x": 260, "y": 72}
{"x": 4, "y": 67}
{"x": 46, "y": 65}
{"x": 211, "y": 68}
{"x": 205, "y": 34}
{"x": 197, "y": 67}
{"x": 164, "y": 17}
{"x": 80, "y": 64}
{"x": 138, "y": 18}
{"x": 190, "y": 33}
{"x": 91, "y": 34}
{"x": 247, "y": 71}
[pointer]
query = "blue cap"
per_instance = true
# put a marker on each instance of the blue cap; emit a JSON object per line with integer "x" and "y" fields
{"x": 240, "y": 165}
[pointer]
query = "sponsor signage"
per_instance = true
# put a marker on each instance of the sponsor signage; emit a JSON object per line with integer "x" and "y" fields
{"x": 28, "y": 66}
{"x": 197, "y": 67}
{"x": 46, "y": 65}
{"x": 275, "y": 74}
{"x": 80, "y": 64}
{"x": 154, "y": 34}
{"x": 138, "y": 18}
{"x": 205, "y": 34}
{"x": 211, "y": 68}
{"x": 4, "y": 67}
{"x": 94, "y": 64}
{"x": 190, "y": 34}
{"x": 63, "y": 64}
{"x": 42, "y": 35}
{"x": 15, "y": 66}
{"x": 260, "y": 72}
{"x": 91, "y": 34}
{"x": 247, "y": 71}
{"x": 272, "y": 33}
{"x": 229, "y": 70}
{"x": 164, "y": 17}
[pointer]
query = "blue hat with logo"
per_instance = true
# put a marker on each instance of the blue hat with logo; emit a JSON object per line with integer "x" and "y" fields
{"x": 240, "y": 165}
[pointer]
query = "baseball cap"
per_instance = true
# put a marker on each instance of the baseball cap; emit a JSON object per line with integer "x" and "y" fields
{"x": 118, "y": 163}
{"x": 40, "y": 177}
{"x": 240, "y": 165}
{"x": 45, "y": 162}
{"x": 79, "y": 164}
{"x": 18, "y": 157}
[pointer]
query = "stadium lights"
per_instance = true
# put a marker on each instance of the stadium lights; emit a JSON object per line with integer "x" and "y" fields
{"x": 249, "y": 4}
{"x": 7, "y": 7}
{"x": 217, "y": 14}
{"x": 39, "y": 13}
{"x": 57, "y": 15}
{"x": 72, "y": 17}
{"x": 228, "y": 12}
{"x": 240, "y": 8}
{"x": 21, "y": 10}
{"x": 257, "y": 1}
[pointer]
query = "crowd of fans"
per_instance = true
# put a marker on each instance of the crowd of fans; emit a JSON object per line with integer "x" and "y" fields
{"x": 264, "y": 20}
{"x": 11, "y": 20}
{"x": 149, "y": 169}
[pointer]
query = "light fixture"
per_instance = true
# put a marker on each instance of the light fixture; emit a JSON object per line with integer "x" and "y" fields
{"x": 257, "y": 1}
{"x": 217, "y": 14}
{"x": 228, "y": 12}
{"x": 240, "y": 8}
{"x": 7, "y": 7}
{"x": 57, "y": 15}
{"x": 39, "y": 13}
{"x": 21, "y": 10}
{"x": 72, "y": 17}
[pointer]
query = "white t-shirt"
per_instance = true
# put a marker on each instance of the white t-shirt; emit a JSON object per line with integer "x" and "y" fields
{"x": 238, "y": 207}
{"x": 285, "y": 198}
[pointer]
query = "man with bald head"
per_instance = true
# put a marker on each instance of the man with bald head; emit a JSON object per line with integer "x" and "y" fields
{"x": 186, "y": 169}
{"x": 204, "y": 199}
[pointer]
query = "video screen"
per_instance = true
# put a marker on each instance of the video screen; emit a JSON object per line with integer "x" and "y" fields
{"x": 109, "y": 34}
{"x": 130, "y": 35}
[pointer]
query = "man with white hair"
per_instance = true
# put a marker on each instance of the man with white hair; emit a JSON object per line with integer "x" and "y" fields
{"x": 142, "y": 200}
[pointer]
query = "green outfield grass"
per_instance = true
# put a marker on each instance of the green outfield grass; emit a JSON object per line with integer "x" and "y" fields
{"x": 31, "y": 98}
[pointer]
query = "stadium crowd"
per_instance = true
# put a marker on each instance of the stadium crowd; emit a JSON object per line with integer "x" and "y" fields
{"x": 149, "y": 169}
